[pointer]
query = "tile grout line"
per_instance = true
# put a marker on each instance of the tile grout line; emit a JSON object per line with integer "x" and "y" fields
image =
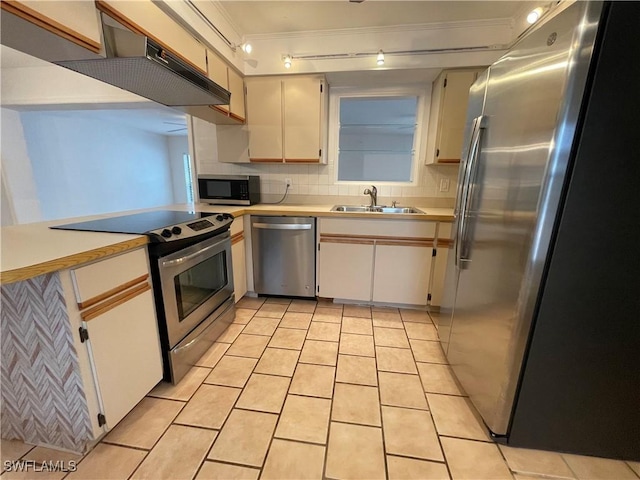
{"x": 330, "y": 419}
{"x": 206, "y": 456}
{"x": 426, "y": 399}
{"x": 384, "y": 443}
{"x": 275, "y": 428}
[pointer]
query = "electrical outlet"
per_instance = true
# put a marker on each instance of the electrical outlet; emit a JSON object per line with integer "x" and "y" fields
{"x": 444, "y": 184}
{"x": 288, "y": 182}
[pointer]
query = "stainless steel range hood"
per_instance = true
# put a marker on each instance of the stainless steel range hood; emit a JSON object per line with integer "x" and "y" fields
{"x": 139, "y": 65}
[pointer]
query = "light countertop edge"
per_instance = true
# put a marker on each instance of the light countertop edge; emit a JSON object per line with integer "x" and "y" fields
{"x": 34, "y": 249}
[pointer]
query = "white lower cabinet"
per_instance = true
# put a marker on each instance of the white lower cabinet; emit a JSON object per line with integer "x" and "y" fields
{"x": 123, "y": 344}
{"x": 402, "y": 274}
{"x": 384, "y": 261}
{"x": 239, "y": 258}
{"x": 345, "y": 270}
{"x": 118, "y": 327}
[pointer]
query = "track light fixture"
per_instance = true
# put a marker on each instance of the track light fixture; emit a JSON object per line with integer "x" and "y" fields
{"x": 380, "y": 58}
{"x": 287, "y": 61}
{"x": 534, "y": 15}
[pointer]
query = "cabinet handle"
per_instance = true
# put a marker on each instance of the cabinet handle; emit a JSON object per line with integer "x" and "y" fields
{"x": 468, "y": 187}
{"x": 103, "y": 296}
{"x": 114, "y": 302}
{"x": 283, "y": 226}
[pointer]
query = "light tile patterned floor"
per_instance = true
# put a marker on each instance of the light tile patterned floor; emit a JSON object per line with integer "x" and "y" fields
{"x": 298, "y": 389}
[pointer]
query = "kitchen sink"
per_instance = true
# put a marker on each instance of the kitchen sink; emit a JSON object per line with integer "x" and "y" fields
{"x": 378, "y": 209}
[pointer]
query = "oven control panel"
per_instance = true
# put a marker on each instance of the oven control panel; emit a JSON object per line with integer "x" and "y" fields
{"x": 214, "y": 223}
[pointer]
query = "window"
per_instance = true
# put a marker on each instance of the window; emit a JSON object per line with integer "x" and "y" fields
{"x": 376, "y": 136}
{"x": 188, "y": 177}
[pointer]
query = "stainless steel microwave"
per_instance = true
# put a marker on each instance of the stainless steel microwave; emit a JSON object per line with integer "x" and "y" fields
{"x": 229, "y": 189}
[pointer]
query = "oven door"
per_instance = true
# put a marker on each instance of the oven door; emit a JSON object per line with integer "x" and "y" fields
{"x": 195, "y": 281}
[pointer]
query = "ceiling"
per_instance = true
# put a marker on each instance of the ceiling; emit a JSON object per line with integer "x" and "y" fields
{"x": 271, "y": 17}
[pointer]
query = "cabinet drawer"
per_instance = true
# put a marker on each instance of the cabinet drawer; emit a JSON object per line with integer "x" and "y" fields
{"x": 378, "y": 228}
{"x": 97, "y": 281}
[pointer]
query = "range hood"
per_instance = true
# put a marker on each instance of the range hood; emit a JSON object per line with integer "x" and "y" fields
{"x": 139, "y": 65}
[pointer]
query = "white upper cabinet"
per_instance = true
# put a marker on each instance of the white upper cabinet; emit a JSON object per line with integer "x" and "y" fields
{"x": 264, "y": 119}
{"x": 449, "y": 99}
{"x": 220, "y": 72}
{"x": 75, "y": 20}
{"x": 285, "y": 118}
{"x": 144, "y": 17}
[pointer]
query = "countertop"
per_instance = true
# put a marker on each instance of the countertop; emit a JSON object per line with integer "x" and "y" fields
{"x": 34, "y": 249}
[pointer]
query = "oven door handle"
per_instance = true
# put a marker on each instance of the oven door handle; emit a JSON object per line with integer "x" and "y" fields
{"x": 283, "y": 226}
{"x": 186, "y": 258}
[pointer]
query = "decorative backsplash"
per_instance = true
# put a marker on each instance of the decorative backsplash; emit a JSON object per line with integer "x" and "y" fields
{"x": 43, "y": 399}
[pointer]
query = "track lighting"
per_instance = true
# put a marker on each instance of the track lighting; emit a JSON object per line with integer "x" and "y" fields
{"x": 380, "y": 58}
{"x": 287, "y": 61}
{"x": 534, "y": 15}
{"x": 246, "y": 47}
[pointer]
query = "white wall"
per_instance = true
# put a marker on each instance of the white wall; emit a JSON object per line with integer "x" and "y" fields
{"x": 18, "y": 183}
{"x": 177, "y": 147}
{"x": 83, "y": 165}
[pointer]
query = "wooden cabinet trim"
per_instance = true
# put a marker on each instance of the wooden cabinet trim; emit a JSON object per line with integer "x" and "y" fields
{"x": 237, "y": 117}
{"x": 115, "y": 301}
{"x": 448, "y": 160}
{"x": 378, "y": 239}
{"x": 348, "y": 240}
{"x": 109, "y": 10}
{"x": 444, "y": 243}
{"x": 32, "y": 16}
{"x": 302, "y": 160}
{"x": 236, "y": 238}
{"x": 114, "y": 291}
{"x": 266, "y": 160}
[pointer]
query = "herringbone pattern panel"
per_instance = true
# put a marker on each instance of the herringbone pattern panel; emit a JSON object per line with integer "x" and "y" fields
{"x": 43, "y": 399}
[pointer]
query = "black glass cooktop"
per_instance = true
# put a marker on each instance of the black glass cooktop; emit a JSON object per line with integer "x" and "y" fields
{"x": 138, "y": 223}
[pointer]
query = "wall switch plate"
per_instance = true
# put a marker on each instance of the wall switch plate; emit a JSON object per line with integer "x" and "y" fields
{"x": 444, "y": 184}
{"x": 287, "y": 182}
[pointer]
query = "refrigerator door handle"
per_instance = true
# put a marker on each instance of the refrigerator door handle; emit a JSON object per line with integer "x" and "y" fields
{"x": 462, "y": 190}
{"x": 479, "y": 124}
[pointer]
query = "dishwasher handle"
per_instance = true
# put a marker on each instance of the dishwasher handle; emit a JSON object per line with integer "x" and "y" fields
{"x": 283, "y": 226}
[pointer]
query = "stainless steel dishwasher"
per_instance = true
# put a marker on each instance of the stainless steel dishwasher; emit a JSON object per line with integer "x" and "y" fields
{"x": 284, "y": 255}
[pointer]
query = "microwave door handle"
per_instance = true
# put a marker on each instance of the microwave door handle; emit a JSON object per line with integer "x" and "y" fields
{"x": 186, "y": 258}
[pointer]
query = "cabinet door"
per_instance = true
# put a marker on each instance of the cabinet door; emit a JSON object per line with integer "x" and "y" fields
{"x": 236, "y": 87}
{"x": 217, "y": 71}
{"x": 439, "y": 271}
{"x": 302, "y": 119}
{"x": 239, "y": 269}
{"x": 126, "y": 354}
{"x": 75, "y": 20}
{"x": 453, "y": 113}
{"x": 144, "y": 16}
{"x": 402, "y": 274}
{"x": 264, "y": 117}
{"x": 345, "y": 270}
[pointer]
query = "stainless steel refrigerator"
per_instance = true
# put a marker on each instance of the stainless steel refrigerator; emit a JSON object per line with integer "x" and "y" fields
{"x": 541, "y": 316}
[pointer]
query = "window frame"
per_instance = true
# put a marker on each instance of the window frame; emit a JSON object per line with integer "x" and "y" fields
{"x": 336, "y": 94}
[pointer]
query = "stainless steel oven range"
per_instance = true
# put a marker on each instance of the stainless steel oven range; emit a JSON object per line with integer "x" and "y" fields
{"x": 190, "y": 260}
{"x": 193, "y": 288}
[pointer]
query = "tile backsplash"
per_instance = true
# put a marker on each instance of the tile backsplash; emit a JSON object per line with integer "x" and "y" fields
{"x": 317, "y": 183}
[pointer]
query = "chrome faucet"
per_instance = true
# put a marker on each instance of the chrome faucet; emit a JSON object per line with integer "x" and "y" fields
{"x": 373, "y": 193}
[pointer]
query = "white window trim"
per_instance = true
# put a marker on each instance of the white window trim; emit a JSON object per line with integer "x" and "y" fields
{"x": 419, "y": 146}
